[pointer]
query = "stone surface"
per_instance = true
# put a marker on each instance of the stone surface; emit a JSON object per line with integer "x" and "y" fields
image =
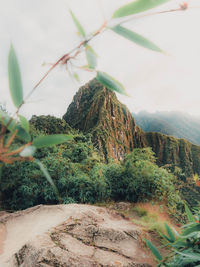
{"x": 71, "y": 235}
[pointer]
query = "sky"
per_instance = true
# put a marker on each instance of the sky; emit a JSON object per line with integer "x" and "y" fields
{"x": 42, "y": 31}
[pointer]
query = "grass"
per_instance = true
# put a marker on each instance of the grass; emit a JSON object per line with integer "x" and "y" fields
{"x": 151, "y": 217}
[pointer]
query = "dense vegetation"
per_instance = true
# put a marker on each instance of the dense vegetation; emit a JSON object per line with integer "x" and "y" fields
{"x": 82, "y": 176}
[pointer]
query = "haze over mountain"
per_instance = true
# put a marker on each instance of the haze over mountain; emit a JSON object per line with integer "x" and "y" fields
{"x": 174, "y": 123}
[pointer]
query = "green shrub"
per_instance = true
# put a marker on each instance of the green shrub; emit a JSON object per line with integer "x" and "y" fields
{"x": 184, "y": 246}
{"x": 83, "y": 181}
{"x": 138, "y": 178}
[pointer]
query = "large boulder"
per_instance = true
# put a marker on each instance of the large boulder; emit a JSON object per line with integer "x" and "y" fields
{"x": 70, "y": 235}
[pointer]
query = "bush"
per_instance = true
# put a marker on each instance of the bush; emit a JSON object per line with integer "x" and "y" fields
{"x": 23, "y": 184}
{"x": 140, "y": 179}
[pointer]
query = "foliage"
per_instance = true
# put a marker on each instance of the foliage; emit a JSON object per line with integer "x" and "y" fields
{"x": 140, "y": 179}
{"x": 79, "y": 175}
{"x": 76, "y": 171}
{"x": 185, "y": 247}
{"x": 50, "y": 125}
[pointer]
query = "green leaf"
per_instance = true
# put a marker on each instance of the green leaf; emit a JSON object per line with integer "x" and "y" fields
{"x": 24, "y": 123}
{"x": 110, "y": 83}
{"x": 50, "y": 140}
{"x": 78, "y": 25}
{"x": 189, "y": 214}
{"x": 191, "y": 235}
{"x": 136, "y": 38}
{"x": 170, "y": 233}
{"x": 190, "y": 255}
{"x": 28, "y": 151}
{"x": 191, "y": 229}
{"x": 137, "y": 7}
{"x": 165, "y": 237}
{"x": 91, "y": 57}
{"x": 46, "y": 173}
{"x": 13, "y": 126}
{"x": 22, "y": 134}
{"x": 15, "y": 83}
{"x": 154, "y": 250}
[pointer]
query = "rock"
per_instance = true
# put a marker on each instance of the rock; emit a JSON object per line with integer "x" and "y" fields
{"x": 120, "y": 206}
{"x": 71, "y": 235}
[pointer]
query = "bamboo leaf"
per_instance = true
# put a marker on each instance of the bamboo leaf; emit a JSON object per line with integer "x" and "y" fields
{"x": 189, "y": 214}
{"x": 24, "y": 123}
{"x": 15, "y": 83}
{"x": 136, "y": 38}
{"x": 46, "y": 173}
{"x": 110, "y": 83}
{"x": 91, "y": 57}
{"x": 78, "y": 25}
{"x": 50, "y": 140}
{"x": 137, "y": 7}
{"x": 154, "y": 250}
{"x": 170, "y": 233}
{"x": 165, "y": 237}
{"x": 190, "y": 255}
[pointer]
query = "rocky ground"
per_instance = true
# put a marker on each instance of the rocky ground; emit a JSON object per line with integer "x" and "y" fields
{"x": 70, "y": 235}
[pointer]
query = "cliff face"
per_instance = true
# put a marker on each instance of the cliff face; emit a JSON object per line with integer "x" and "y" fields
{"x": 177, "y": 152}
{"x": 96, "y": 110}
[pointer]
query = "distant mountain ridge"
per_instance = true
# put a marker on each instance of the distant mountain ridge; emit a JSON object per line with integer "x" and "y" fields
{"x": 177, "y": 124}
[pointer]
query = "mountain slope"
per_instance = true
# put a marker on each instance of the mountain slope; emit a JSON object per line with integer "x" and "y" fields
{"x": 97, "y": 111}
{"x": 177, "y": 124}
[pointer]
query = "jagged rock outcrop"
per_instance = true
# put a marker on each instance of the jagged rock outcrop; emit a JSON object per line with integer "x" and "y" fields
{"x": 96, "y": 110}
{"x": 71, "y": 236}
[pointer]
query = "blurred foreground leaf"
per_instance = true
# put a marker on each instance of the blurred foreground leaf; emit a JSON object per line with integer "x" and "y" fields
{"x": 136, "y": 38}
{"x": 15, "y": 83}
{"x": 137, "y": 7}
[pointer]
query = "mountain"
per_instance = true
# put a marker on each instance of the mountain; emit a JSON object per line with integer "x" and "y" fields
{"x": 173, "y": 123}
{"x": 96, "y": 110}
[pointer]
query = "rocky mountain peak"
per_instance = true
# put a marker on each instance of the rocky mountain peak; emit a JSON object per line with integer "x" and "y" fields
{"x": 96, "y": 110}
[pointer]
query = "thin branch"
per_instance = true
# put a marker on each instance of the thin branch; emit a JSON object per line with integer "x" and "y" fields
{"x": 64, "y": 59}
{"x": 152, "y": 14}
{"x": 17, "y": 151}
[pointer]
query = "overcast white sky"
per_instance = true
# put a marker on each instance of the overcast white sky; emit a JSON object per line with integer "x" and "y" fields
{"x": 42, "y": 31}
